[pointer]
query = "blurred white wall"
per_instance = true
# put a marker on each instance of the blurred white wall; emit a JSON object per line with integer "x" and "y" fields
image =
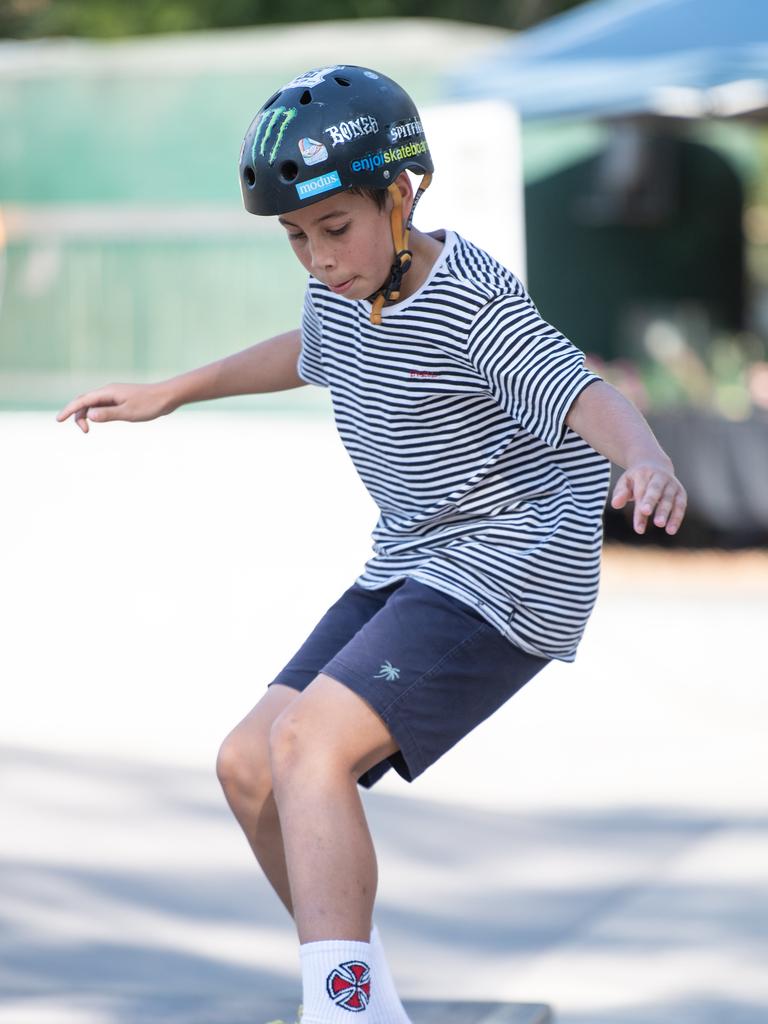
{"x": 478, "y": 184}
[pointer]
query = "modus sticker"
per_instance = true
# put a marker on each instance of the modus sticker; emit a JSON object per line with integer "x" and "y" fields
{"x": 315, "y": 186}
{"x": 356, "y": 128}
{"x": 312, "y": 151}
{"x": 312, "y": 78}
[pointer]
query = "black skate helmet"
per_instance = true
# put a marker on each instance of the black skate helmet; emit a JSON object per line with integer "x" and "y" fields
{"x": 332, "y": 129}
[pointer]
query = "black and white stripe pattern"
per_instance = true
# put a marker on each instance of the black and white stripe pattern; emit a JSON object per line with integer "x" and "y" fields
{"x": 453, "y": 412}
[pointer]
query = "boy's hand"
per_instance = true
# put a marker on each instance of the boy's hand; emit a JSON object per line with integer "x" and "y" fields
{"x": 133, "y": 402}
{"x": 651, "y": 486}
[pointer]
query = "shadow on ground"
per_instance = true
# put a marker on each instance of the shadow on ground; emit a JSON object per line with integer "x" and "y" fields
{"x": 128, "y": 894}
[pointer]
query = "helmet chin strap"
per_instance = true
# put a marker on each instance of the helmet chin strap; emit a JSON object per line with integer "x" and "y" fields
{"x": 403, "y": 255}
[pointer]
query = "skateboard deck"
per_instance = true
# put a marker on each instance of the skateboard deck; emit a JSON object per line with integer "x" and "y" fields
{"x": 188, "y": 1008}
{"x": 422, "y": 1012}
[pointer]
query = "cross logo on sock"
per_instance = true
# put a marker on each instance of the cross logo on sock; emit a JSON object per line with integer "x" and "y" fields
{"x": 349, "y": 985}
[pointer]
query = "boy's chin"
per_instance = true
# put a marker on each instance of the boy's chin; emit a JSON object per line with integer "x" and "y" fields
{"x": 359, "y": 290}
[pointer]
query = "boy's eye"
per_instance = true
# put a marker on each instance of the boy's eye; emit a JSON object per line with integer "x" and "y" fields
{"x": 293, "y": 238}
{"x": 338, "y": 231}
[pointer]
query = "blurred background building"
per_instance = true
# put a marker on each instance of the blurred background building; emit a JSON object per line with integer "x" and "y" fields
{"x": 645, "y": 235}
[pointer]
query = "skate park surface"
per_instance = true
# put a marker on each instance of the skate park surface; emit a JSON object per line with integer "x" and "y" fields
{"x": 599, "y": 846}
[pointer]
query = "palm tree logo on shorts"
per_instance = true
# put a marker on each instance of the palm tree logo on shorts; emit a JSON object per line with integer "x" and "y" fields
{"x": 388, "y": 672}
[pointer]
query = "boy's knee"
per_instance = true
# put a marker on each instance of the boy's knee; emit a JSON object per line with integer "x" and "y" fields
{"x": 241, "y": 768}
{"x": 296, "y": 747}
{"x": 293, "y": 744}
{"x": 284, "y": 742}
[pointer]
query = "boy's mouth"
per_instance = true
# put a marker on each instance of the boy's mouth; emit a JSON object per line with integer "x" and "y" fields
{"x": 342, "y": 287}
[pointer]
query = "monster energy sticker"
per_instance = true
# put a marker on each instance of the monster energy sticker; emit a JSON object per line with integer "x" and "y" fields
{"x": 312, "y": 151}
{"x": 270, "y": 131}
{"x": 312, "y": 78}
{"x": 324, "y": 183}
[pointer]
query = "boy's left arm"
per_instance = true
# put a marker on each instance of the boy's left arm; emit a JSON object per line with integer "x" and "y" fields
{"x": 615, "y": 428}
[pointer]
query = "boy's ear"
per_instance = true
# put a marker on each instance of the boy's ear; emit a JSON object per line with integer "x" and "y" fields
{"x": 405, "y": 188}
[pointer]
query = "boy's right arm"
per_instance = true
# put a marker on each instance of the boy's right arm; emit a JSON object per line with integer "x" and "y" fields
{"x": 268, "y": 366}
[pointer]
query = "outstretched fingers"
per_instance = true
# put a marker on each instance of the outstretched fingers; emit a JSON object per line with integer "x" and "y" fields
{"x": 622, "y": 492}
{"x": 656, "y": 492}
{"x": 671, "y": 508}
{"x": 92, "y": 405}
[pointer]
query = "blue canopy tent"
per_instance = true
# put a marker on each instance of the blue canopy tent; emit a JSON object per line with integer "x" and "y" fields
{"x": 618, "y": 58}
{"x": 652, "y": 220}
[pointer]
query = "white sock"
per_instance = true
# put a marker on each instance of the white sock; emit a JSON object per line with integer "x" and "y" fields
{"x": 388, "y": 1002}
{"x": 339, "y": 983}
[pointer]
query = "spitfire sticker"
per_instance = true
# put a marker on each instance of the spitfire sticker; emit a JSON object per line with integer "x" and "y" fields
{"x": 406, "y": 129}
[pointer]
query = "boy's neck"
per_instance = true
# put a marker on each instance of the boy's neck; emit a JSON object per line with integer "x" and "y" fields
{"x": 426, "y": 250}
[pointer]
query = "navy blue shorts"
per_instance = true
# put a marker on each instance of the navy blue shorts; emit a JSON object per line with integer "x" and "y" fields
{"x": 428, "y": 664}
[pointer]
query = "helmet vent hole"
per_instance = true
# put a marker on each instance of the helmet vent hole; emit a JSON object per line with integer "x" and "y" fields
{"x": 306, "y": 97}
{"x": 289, "y": 171}
{"x": 250, "y": 177}
{"x": 341, "y": 81}
{"x": 269, "y": 103}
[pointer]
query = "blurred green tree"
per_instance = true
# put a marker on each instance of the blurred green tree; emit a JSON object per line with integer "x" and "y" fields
{"x": 105, "y": 19}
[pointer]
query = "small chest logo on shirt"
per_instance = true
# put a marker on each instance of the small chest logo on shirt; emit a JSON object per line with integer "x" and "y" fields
{"x": 423, "y": 373}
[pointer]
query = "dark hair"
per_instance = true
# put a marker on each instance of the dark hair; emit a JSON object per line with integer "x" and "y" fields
{"x": 376, "y": 195}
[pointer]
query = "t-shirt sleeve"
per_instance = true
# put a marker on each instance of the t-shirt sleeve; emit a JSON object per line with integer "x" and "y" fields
{"x": 531, "y": 369}
{"x": 310, "y": 364}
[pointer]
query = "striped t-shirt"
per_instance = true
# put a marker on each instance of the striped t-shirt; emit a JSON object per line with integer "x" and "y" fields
{"x": 453, "y": 413}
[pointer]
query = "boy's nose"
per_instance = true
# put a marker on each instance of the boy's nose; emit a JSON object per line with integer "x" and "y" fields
{"x": 322, "y": 257}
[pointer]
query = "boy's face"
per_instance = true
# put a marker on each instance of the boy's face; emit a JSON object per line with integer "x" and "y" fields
{"x": 344, "y": 241}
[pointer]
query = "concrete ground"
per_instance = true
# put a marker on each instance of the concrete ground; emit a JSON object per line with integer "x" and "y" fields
{"x": 600, "y": 845}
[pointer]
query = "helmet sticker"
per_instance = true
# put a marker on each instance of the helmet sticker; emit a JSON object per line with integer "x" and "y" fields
{"x": 311, "y": 78}
{"x": 380, "y": 157}
{"x": 312, "y": 151}
{"x": 345, "y": 131}
{"x": 274, "y": 120}
{"x": 329, "y": 129}
{"x": 404, "y": 129}
{"x": 326, "y": 182}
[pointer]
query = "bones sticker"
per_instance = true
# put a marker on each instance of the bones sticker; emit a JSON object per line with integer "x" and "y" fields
{"x": 273, "y": 121}
{"x": 349, "y": 985}
{"x": 357, "y": 128}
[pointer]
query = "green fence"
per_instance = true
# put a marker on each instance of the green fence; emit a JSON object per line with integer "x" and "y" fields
{"x": 128, "y": 254}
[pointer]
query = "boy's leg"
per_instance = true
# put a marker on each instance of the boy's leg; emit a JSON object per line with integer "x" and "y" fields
{"x": 244, "y": 771}
{"x": 245, "y": 775}
{"x": 320, "y": 745}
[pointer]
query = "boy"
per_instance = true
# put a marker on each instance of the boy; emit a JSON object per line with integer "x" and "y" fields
{"x": 484, "y": 442}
